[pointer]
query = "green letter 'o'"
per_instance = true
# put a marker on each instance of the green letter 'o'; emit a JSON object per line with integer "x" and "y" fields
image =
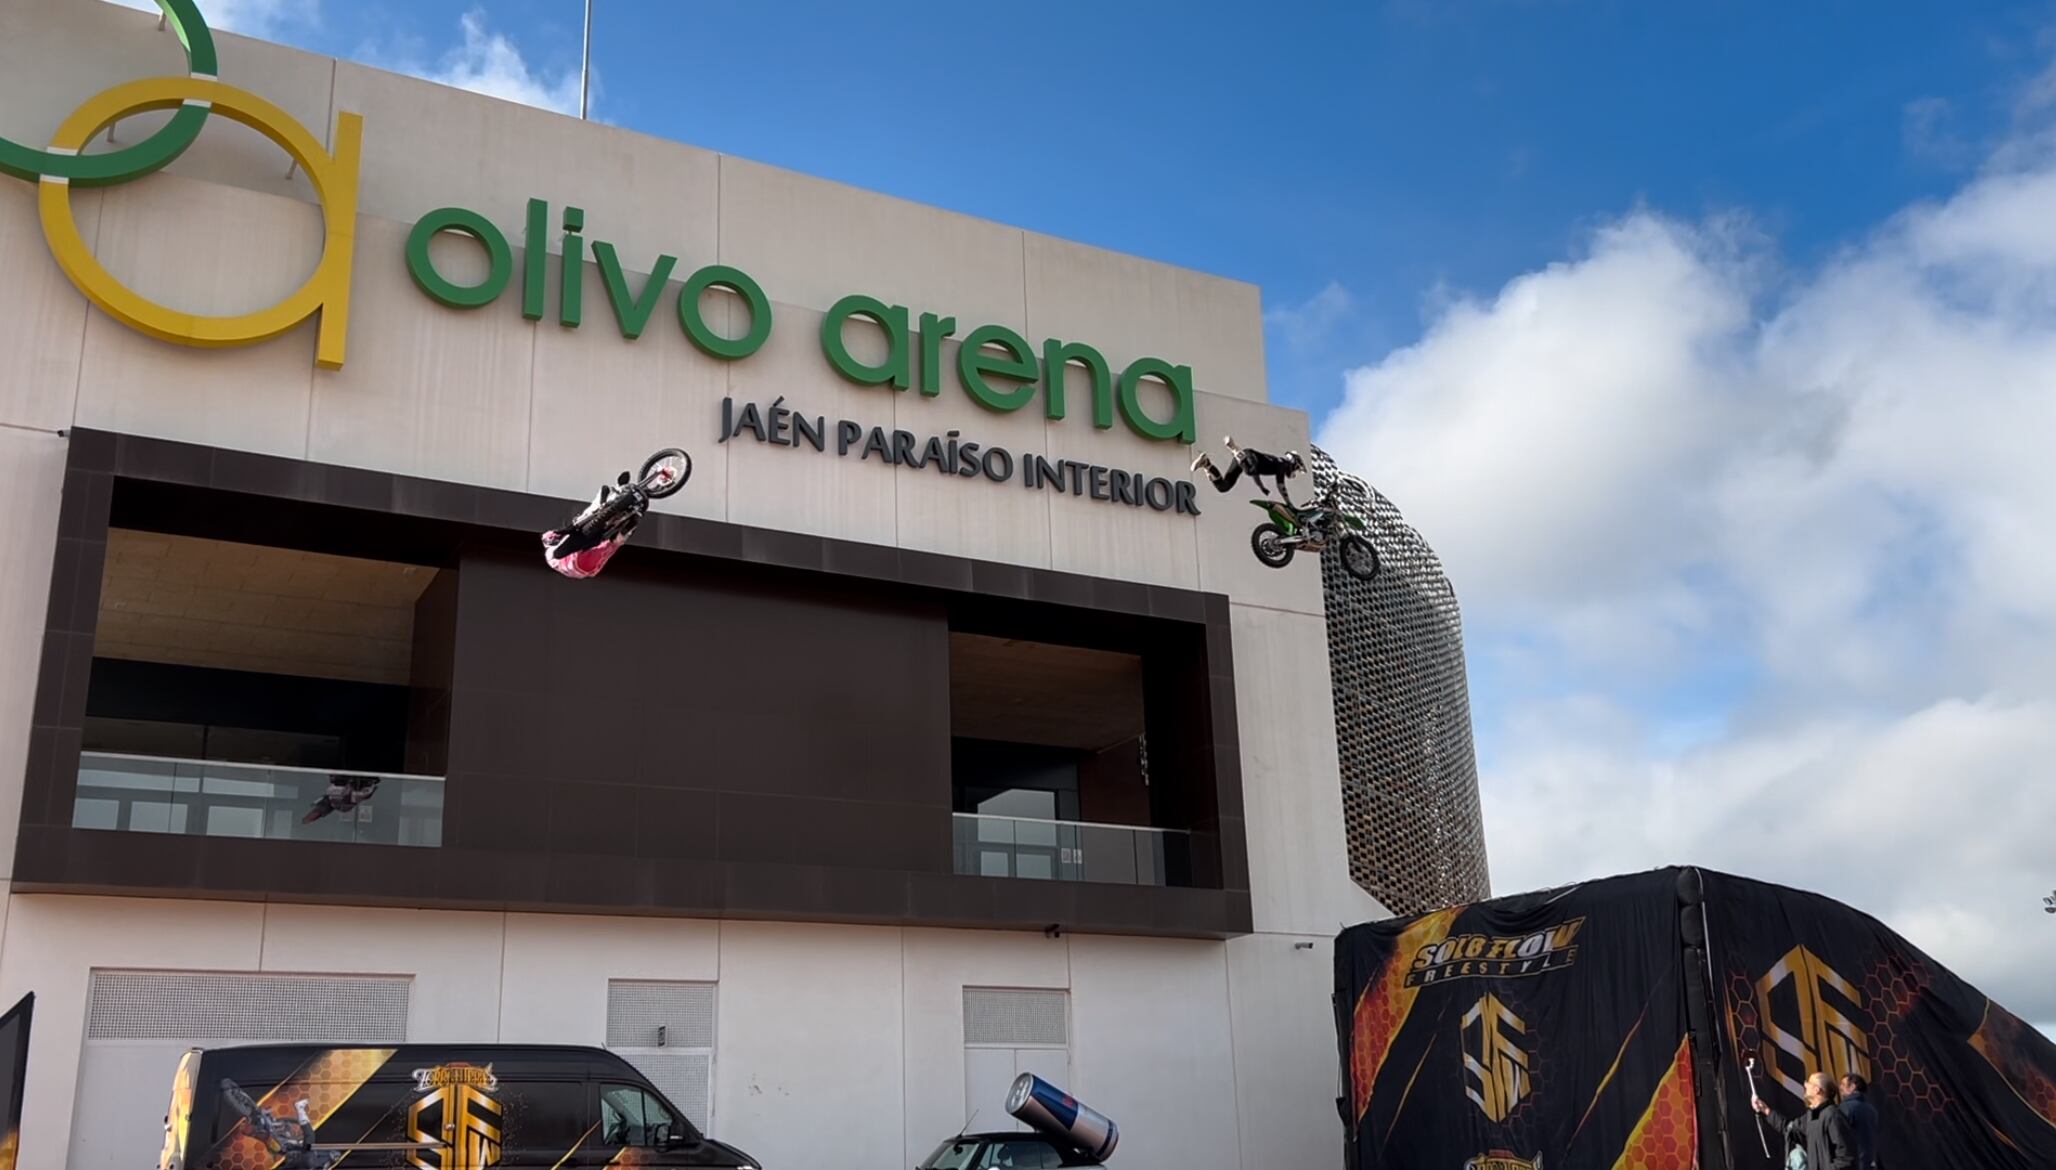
{"x": 478, "y": 227}
{"x": 737, "y": 281}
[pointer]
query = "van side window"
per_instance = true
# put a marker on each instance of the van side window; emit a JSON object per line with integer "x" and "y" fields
{"x": 631, "y": 1117}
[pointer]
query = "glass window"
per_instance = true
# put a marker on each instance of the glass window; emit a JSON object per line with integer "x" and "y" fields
{"x": 1019, "y": 1155}
{"x": 1021, "y": 802}
{"x": 629, "y": 1116}
{"x": 952, "y": 1155}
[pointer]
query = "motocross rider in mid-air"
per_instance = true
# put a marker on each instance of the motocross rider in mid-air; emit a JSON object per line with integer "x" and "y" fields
{"x": 575, "y": 553}
{"x": 1251, "y": 462}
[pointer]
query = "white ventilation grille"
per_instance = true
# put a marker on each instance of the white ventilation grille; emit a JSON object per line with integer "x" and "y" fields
{"x": 666, "y": 1030}
{"x": 192, "y": 1007}
{"x": 1016, "y": 1018}
{"x": 685, "y": 1078}
{"x": 635, "y": 1012}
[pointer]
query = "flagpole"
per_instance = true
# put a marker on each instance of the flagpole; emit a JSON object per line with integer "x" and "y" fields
{"x": 586, "y": 65}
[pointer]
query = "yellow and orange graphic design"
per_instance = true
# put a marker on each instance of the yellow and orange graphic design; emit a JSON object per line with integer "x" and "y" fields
{"x": 2003, "y": 1040}
{"x": 1667, "y": 1136}
{"x": 1382, "y": 1009}
{"x": 1823, "y": 1037}
{"x": 1498, "y": 1064}
{"x": 325, "y": 1083}
{"x": 459, "y": 1112}
{"x": 178, "y": 1119}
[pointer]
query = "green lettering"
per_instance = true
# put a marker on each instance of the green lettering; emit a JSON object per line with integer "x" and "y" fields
{"x": 1015, "y": 360}
{"x": 933, "y": 330}
{"x": 891, "y": 318}
{"x": 500, "y": 258}
{"x": 631, "y": 313}
{"x": 535, "y": 258}
{"x": 1056, "y": 355}
{"x": 1178, "y": 379}
{"x": 571, "y": 290}
{"x": 737, "y": 281}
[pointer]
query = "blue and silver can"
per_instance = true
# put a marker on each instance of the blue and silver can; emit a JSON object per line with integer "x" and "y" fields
{"x": 1053, "y": 1112}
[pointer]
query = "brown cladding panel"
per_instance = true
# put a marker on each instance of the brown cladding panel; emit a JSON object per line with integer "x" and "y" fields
{"x": 733, "y": 722}
{"x": 686, "y": 682}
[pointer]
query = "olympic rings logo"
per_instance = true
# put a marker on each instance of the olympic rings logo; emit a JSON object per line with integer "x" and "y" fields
{"x": 64, "y": 164}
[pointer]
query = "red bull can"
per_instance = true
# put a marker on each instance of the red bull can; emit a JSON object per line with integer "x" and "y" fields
{"x": 1054, "y": 1113}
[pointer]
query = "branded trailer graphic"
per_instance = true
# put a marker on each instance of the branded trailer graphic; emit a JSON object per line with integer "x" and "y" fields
{"x": 1627, "y": 1022}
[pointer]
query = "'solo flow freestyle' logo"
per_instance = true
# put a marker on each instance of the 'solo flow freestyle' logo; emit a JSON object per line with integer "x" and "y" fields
{"x": 64, "y": 164}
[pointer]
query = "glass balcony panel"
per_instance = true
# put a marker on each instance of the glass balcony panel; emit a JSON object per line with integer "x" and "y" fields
{"x": 213, "y": 798}
{"x": 1024, "y": 847}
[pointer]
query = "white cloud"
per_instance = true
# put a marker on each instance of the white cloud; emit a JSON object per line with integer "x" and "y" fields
{"x": 490, "y": 63}
{"x": 1668, "y": 453}
{"x": 254, "y": 18}
{"x": 1313, "y": 320}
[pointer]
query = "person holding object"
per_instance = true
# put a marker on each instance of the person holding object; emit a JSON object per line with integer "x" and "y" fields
{"x": 1818, "y": 1139}
{"x": 1863, "y": 1120}
{"x": 1251, "y": 462}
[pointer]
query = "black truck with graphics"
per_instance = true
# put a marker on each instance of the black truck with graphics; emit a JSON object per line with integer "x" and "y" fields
{"x": 430, "y": 1107}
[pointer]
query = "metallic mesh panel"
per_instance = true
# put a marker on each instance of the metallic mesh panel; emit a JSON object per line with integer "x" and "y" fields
{"x": 1014, "y": 1018}
{"x": 636, "y": 1010}
{"x": 1402, "y": 714}
{"x": 194, "y": 1007}
{"x": 685, "y": 1078}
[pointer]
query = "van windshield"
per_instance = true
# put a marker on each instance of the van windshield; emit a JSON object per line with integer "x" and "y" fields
{"x": 179, "y": 1116}
{"x": 631, "y": 1117}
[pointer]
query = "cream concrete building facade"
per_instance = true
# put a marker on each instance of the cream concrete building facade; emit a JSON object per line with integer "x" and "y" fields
{"x": 832, "y": 1043}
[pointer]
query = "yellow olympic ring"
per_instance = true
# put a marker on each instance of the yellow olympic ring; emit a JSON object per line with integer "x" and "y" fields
{"x": 326, "y": 292}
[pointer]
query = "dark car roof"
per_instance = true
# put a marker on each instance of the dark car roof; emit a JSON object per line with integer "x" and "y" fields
{"x": 536, "y": 1057}
{"x": 1072, "y": 1155}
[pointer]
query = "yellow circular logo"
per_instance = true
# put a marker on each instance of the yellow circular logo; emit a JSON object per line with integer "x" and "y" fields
{"x": 332, "y": 174}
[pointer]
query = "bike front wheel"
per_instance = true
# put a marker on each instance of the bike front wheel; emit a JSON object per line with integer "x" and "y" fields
{"x": 1359, "y": 558}
{"x": 1268, "y": 543}
{"x": 665, "y": 472}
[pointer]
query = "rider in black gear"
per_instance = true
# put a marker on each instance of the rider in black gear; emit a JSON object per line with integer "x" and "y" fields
{"x": 1249, "y": 461}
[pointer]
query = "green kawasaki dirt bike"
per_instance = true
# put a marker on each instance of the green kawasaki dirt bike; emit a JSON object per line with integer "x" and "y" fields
{"x": 1313, "y": 528}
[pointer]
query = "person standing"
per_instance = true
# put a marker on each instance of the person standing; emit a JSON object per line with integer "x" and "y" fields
{"x": 1863, "y": 1120}
{"x": 1821, "y": 1132}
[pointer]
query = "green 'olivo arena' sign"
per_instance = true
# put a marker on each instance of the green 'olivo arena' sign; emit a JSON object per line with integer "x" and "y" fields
{"x": 1000, "y": 369}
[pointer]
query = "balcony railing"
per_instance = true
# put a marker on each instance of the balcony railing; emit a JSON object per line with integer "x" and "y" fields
{"x": 209, "y": 798}
{"x": 1071, "y": 851}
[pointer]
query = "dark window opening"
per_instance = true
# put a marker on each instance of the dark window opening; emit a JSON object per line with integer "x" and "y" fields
{"x": 257, "y": 691}
{"x": 1049, "y": 775}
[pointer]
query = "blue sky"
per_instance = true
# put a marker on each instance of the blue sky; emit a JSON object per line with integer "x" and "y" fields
{"x": 1388, "y": 148}
{"x": 1705, "y": 342}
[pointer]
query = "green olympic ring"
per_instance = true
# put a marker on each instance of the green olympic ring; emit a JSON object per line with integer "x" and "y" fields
{"x": 151, "y": 154}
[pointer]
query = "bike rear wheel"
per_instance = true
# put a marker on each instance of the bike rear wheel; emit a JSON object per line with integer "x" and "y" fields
{"x": 1360, "y": 558}
{"x": 1268, "y": 543}
{"x": 665, "y": 472}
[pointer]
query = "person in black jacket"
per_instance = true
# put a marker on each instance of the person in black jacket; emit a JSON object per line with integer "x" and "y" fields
{"x": 1821, "y": 1131}
{"x": 1863, "y": 1120}
{"x": 1257, "y": 465}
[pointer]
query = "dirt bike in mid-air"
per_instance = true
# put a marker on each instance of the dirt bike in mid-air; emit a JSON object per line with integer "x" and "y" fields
{"x": 583, "y": 547}
{"x": 662, "y": 475}
{"x": 1312, "y": 528}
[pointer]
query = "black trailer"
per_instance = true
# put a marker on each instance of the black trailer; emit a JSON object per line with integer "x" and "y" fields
{"x": 1627, "y": 1022}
